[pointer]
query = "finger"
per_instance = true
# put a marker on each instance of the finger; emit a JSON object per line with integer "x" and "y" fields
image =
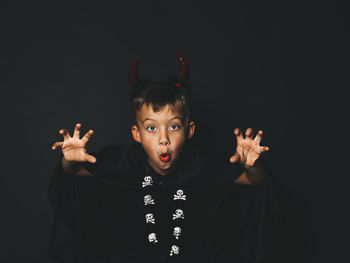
{"x": 238, "y": 134}
{"x": 249, "y": 133}
{"x": 234, "y": 158}
{"x": 91, "y": 159}
{"x": 87, "y": 136}
{"x": 56, "y": 145}
{"x": 77, "y": 131}
{"x": 258, "y": 136}
{"x": 65, "y": 134}
{"x": 264, "y": 148}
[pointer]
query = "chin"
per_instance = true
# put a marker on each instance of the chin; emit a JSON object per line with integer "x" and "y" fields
{"x": 165, "y": 166}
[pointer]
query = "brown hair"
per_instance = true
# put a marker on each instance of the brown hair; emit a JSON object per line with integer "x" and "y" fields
{"x": 162, "y": 93}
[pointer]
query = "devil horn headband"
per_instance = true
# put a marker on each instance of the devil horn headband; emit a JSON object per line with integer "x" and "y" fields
{"x": 133, "y": 75}
{"x": 184, "y": 73}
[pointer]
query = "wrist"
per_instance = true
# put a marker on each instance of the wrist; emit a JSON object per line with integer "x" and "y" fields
{"x": 257, "y": 163}
{"x": 70, "y": 167}
{"x": 248, "y": 166}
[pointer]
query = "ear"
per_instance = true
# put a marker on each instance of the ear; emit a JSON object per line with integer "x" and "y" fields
{"x": 135, "y": 133}
{"x": 190, "y": 129}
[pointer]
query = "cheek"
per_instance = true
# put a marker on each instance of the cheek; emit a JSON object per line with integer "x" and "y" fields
{"x": 149, "y": 150}
{"x": 148, "y": 143}
{"x": 145, "y": 137}
{"x": 178, "y": 140}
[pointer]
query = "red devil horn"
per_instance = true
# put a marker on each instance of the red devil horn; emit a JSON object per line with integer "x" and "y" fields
{"x": 184, "y": 73}
{"x": 133, "y": 74}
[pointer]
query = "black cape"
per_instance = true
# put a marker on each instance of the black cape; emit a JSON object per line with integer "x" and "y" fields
{"x": 101, "y": 218}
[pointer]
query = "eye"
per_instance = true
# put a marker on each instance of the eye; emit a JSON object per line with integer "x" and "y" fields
{"x": 151, "y": 128}
{"x": 174, "y": 127}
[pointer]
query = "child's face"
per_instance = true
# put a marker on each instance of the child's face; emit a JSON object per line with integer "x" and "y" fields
{"x": 162, "y": 135}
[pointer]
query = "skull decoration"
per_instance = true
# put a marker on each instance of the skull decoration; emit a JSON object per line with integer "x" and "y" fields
{"x": 177, "y": 232}
{"x": 148, "y": 200}
{"x": 150, "y": 218}
{"x": 152, "y": 238}
{"x": 178, "y": 214}
{"x": 174, "y": 250}
{"x": 147, "y": 181}
{"x": 179, "y": 195}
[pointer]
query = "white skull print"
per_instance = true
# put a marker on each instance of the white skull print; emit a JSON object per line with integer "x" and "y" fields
{"x": 178, "y": 214}
{"x": 152, "y": 238}
{"x": 174, "y": 250}
{"x": 179, "y": 195}
{"x": 148, "y": 200}
{"x": 177, "y": 232}
{"x": 150, "y": 218}
{"x": 147, "y": 181}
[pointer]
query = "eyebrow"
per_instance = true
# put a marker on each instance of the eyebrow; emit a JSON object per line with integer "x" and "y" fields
{"x": 149, "y": 119}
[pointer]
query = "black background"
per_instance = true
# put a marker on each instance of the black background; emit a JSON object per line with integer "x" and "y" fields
{"x": 277, "y": 66}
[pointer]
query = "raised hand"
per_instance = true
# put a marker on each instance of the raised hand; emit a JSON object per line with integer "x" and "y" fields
{"x": 248, "y": 149}
{"x": 73, "y": 148}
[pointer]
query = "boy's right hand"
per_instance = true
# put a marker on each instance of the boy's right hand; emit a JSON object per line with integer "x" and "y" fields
{"x": 73, "y": 148}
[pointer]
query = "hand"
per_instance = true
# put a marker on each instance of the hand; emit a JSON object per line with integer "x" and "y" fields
{"x": 73, "y": 148}
{"x": 248, "y": 149}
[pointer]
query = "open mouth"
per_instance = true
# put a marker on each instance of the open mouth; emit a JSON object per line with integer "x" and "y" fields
{"x": 165, "y": 157}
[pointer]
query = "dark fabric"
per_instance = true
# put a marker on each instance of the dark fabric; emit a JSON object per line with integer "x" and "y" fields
{"x": 101, "y": 218}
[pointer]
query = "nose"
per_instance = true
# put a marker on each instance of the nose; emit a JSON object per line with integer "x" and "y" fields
{"x": 164, "y": 139}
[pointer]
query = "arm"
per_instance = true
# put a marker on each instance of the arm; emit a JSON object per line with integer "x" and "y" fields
{"x": 74, "y": 168}
{"x": 74, "y": 152}
{"x": 247, "y": 153}
{"x": 255, "y": 175}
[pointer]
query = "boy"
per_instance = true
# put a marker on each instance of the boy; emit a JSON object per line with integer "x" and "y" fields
{"x": 159, "y": 199}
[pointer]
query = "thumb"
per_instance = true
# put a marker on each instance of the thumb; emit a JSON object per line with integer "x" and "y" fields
{"x": 91, "y": 159}
{"x": 234, "y": 158}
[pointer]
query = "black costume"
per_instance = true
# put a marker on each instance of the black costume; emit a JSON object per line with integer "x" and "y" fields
{"x": 101, "y": 218}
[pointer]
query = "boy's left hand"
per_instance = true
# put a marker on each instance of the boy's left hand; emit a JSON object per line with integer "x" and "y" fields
{"x": 248, "y": 149}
